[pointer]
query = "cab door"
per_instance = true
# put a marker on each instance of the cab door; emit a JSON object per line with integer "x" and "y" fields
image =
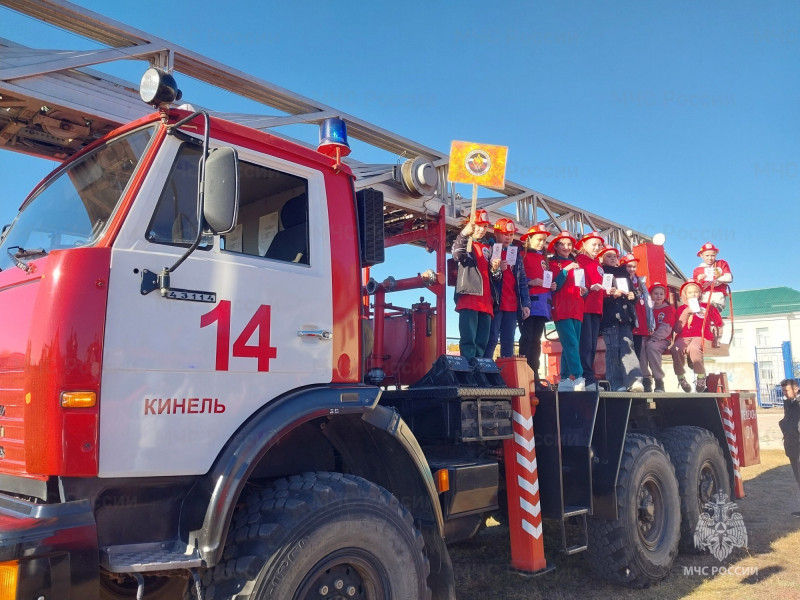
{"x": 248, "y": 318}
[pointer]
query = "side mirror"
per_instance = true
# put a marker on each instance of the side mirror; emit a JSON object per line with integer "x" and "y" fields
{"x": 221, "y": 199}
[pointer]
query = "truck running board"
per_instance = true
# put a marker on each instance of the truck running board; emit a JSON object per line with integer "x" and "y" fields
{"x": 142, "y": 558}
{"x": 577, "y": 516}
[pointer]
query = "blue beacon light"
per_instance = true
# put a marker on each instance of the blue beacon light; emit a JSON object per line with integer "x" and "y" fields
{"x": 333, "y": 139}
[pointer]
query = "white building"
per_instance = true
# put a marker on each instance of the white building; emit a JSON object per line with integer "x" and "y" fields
{"x": 766, "y": 340}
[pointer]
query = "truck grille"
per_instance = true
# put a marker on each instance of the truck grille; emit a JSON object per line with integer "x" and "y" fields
{"x": 12, "y": 409}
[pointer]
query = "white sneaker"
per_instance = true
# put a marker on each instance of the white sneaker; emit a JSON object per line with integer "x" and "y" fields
{"x": 636, "y": 386}
{"x": 579, "y": 385}
{"x": 565, "y": 385}
{"x": 592, "y": 387}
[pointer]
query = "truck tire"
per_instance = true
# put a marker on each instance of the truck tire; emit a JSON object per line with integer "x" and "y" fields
{"x": 321, "y": 535}
{"x": 639, "y": 547}
{"x": 155, "y": 588}
{"x": 701, "y": 471}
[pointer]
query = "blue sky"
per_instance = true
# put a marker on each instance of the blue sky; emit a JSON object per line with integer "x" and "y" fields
{"x": 680, "y": 117}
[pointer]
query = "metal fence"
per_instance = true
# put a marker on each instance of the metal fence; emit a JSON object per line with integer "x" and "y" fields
{"x": 770, "y": 371}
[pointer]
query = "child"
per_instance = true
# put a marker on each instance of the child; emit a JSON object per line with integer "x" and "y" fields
{"x": 567, "y": 311}
{"x": 619, "y": 315}
{"x": 644, "y": 310}
{"x": 713, "y": 273}
{"x": 654, "y": 345}
{"x": 589, "y": 247}
{"x": 692, "y": 325}
{"x": 510, "y": 293}
{"x": 532, "y": 328}
{"x": 473, "y": 291}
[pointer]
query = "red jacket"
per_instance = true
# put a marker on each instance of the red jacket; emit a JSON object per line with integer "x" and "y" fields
{"x": 567, "y": 299}
{"x": 719, "y": 286}
{"x": 593, "y": 302}
{"x": 695, "y": 324}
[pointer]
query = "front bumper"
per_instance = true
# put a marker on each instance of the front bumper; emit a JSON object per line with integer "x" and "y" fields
{"x": 54, "y": 546}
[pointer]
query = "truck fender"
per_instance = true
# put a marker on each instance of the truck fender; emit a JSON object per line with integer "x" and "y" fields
{"x": 209, "y": 506}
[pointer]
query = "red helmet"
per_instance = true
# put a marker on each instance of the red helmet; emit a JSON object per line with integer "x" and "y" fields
{"x": 535, "y": 230}
{"x": 656, "y": 284}
{"x": 562, "y": 235}
{"x": 628, "y": 259}
{"x": 607, "y": 248}
{"x": 706, "y": 247}
{"x": 690, "y": 282}
{"x": 591, "y": 235}
{"x": 505, "y": 225}
{"x": 482, "y": 218}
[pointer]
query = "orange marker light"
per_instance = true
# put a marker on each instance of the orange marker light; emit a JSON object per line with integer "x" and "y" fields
{"x": 443, "y": 480}
{"x": 78, "y": 400}
{"x": 8, "y": 580}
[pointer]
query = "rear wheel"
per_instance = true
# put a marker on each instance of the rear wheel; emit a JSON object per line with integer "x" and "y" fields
{"x": 701, "y": 471}
{"x": 639, "y": 547}
{"x": 321, "y": 536}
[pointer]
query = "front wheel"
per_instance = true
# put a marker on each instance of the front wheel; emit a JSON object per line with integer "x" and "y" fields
{"x": 639, "y": 547}
{"x": 321, "y": 536}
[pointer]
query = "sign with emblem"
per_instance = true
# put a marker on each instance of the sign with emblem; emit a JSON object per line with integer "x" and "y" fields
{"x": 719, "y": 529}
{"x": 479, "y": 164}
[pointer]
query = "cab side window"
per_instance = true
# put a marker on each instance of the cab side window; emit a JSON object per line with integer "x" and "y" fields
{"x": 273, "y": 216}
{"x": 175, "y": 219}
{"x": 273, "y": 211}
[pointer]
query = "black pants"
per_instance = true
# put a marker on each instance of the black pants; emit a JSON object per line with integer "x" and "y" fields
{"x": 590, "y": 331}
{"x": 637, "y": 344}
{"x": 530, "y": 341}
{"x": 793, "y": 452}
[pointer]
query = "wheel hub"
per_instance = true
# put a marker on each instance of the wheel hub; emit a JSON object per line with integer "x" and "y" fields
{"x": 341, "y": 582}
{"x": 650, "y": 515}
{"x": 706, "y": 484}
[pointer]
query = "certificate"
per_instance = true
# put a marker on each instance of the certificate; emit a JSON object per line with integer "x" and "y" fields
{"x": 511, "y": 255}
{"x": 580, "y": 277}
{"x": 497, "y": 252}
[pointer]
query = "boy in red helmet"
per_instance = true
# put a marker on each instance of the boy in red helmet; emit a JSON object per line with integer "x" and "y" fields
{"x": 532, "y": 328}
{"x": 589, "y": 248}
{"x": 567, "y": 311}
{"x": 713, "y": 275}
{"x": 473, "y": 293}
{"x": 511, "y": 300}
{"x": 654, "y": 345}
{"x": 693, "y": 323}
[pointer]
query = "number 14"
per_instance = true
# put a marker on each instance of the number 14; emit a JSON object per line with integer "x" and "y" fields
{"x": 241, "y": 349}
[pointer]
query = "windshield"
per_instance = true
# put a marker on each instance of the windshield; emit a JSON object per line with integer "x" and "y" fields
{"x": 74, "y": 207}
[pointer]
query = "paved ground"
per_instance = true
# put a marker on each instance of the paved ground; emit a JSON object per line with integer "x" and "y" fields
{"x": 769, "y": 434}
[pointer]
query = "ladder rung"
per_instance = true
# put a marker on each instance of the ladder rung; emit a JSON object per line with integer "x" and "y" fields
{"x": 575, "y": 549}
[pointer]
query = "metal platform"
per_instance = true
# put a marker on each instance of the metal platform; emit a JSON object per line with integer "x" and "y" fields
{"x": 142, "y": 558}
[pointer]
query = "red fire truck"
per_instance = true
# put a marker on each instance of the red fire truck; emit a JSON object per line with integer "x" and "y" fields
{"x": 203, "y": 394}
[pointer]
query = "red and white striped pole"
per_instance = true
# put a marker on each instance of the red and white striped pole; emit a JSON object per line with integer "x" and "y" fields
{"x": 522, "y": 477}
{"x": 733, "y": 445}
{"x": 719, "y": 382}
